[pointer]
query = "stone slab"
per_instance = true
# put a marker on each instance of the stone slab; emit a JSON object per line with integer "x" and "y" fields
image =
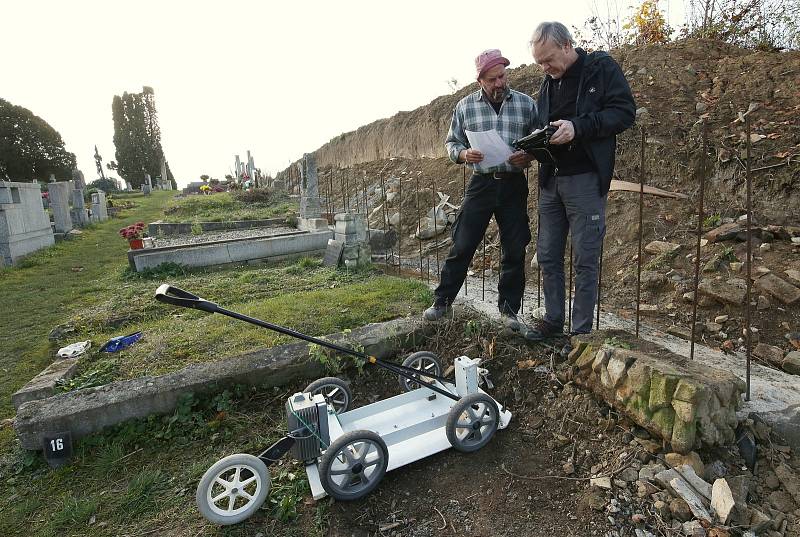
{"x": 333, "y": 253}
{"x": 661, "y": 247}
{"x": 721, "y": 291}
{"x": 44, "y": 384}
{"x": 83, "y": 412}
{"x": 232, "y": 251}
{"x": 724, "y": 232}
{"x": 781, "y": 289}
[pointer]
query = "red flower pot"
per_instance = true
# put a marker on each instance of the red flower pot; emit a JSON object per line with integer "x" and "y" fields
{"x": 136, "y": 244}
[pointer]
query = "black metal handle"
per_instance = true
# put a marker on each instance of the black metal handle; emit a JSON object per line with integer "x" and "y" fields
{"x": 178, "y": 297}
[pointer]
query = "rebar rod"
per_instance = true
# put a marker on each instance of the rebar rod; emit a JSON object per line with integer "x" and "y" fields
{"x": 748, "y": 181}
{"x": 703, "y": 171}
{"x": 641, "y": 218}
{"x": 419, "y": 223}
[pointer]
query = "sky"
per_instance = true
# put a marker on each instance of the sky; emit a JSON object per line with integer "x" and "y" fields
{"x": 276, "y": 78}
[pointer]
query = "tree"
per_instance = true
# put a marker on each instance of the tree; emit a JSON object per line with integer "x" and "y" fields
{"x": 204, "y": 178}
{"x": 764, "y": 24}
{"x": 648, "y": 24}
{"x": 137, "y": 136}
{"x": 30, "y": 148}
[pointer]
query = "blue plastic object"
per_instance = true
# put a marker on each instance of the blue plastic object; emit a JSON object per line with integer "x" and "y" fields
{"x": 116, "y": 344}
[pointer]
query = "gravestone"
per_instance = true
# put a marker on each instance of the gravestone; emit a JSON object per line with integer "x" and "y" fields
{"x": 59, "y": 205}
{"x": 99, "y": 209}
{"x": 24, "y": 224}
{"x": 79, "y": 214}
{"x": 351, "y": 230}
{"x": 310, "y": 203}
{"x": 78, "y": 180}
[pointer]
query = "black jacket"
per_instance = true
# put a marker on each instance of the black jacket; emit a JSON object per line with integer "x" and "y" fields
{"x": 604, "y": 108}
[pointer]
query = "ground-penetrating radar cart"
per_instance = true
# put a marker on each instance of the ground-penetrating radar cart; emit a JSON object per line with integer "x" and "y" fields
{"x": 347, "y": 452}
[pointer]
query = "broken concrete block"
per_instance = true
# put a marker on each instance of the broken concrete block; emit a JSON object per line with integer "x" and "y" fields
{"x": 722, "y": 502}
{"x": 686, "y": 473}
{"x": 600, "y": 360}
{"x": 44, "y": 384}
{"x": 661, "y": 247}
{"x": 785, "y": 292}
{"x": 758, "y": 520}
{"x": 793, "y": 276}
{"x": 691, "y": 458}
{"x": 691, "y": 497}
{"x": 586, "y": 357}
{"x": 601, "y": 482}
{"x": 693, "y": 528}
{"x": 769, "y": 353}
{"x": 724, "y": 232}
{"x": 722, "y": 291}
{"x": 791, "y": 363}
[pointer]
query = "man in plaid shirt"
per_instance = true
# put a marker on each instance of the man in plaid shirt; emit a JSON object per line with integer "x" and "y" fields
{"x": 500, "y": 190}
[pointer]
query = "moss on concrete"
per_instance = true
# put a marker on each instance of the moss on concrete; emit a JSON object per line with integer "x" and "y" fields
{"x": 661, "y": 389}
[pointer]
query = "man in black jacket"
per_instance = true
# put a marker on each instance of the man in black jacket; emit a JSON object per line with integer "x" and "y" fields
{"x": 586, "y": 97}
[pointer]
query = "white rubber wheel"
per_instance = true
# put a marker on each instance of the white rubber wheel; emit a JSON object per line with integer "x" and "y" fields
{"x": 353, "y": 465}
{"x": 472, "y": 422}
{"x": 335, "y": 391}
{"x": 425, "y": 362}
{"x": 233, "y": 489}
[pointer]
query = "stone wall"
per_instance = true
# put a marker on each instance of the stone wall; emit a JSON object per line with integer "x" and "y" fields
{"x": 685, "y": 403}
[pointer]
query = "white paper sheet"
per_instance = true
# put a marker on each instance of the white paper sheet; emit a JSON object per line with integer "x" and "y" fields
{"x": 495, "y": 150}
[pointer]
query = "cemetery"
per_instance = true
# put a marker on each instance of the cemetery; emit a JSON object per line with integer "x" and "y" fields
{"x": 135, "y": 402}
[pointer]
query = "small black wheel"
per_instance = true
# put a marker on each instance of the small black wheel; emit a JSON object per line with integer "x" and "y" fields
{"x": 472, "y": 422}
{"x": 353, "y": 465}
{"x": 335, "y": 391}
{"x": 233, "y": 489}
{"x": 426, "y": 362}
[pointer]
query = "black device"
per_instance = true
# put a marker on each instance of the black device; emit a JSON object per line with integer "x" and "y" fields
{"x": 537, "y": 144}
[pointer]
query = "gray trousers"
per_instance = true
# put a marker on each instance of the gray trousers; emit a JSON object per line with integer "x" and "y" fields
{"x": 571, "y": 204}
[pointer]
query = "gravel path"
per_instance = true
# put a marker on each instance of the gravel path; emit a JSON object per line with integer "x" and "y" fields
{"x": 211, "y": 236}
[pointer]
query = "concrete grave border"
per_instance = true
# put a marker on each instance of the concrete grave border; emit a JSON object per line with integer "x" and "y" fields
{"x": 272, "y": 247}
{"x": 87, "y": 411}
{"x": 167, "y": 229}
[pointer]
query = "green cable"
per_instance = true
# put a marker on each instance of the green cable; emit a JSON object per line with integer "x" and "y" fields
{"x": 310, "y": 429}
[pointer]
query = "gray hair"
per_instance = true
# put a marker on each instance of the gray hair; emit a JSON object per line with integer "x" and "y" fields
{"x": 554, "y": 31}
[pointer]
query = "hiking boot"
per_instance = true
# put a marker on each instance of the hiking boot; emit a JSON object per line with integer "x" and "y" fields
{"x": 542, "y": 330}
{"x": 437, "y": 311}
{"x": 510, "y": 321}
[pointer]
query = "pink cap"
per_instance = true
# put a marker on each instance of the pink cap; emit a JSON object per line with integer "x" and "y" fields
{"x": 488, "y": 59}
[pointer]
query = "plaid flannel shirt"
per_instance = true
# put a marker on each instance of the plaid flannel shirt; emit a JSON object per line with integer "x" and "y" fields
{"x": 517, "y": 118}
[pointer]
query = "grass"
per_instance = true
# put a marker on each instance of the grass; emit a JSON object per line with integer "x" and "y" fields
{"x": 139, "y": 478}
{"x": 224, "y": 207}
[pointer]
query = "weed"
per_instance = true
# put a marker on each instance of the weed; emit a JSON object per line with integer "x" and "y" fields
{"x": 616, "y": 342}
{"x": 287, "y": 491}
{"x": 103, "y": 373}
{"x": 197, "y": 229}
{"x": 326, "y": 357}
{"x": 727, "y": 254}
{"x": 164, "y": 271}
{"x": 712, "y": 221}
{"x": 309, "y": 263}
{"x": 321, "y": 519}
{"x": 472, "y": 328}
